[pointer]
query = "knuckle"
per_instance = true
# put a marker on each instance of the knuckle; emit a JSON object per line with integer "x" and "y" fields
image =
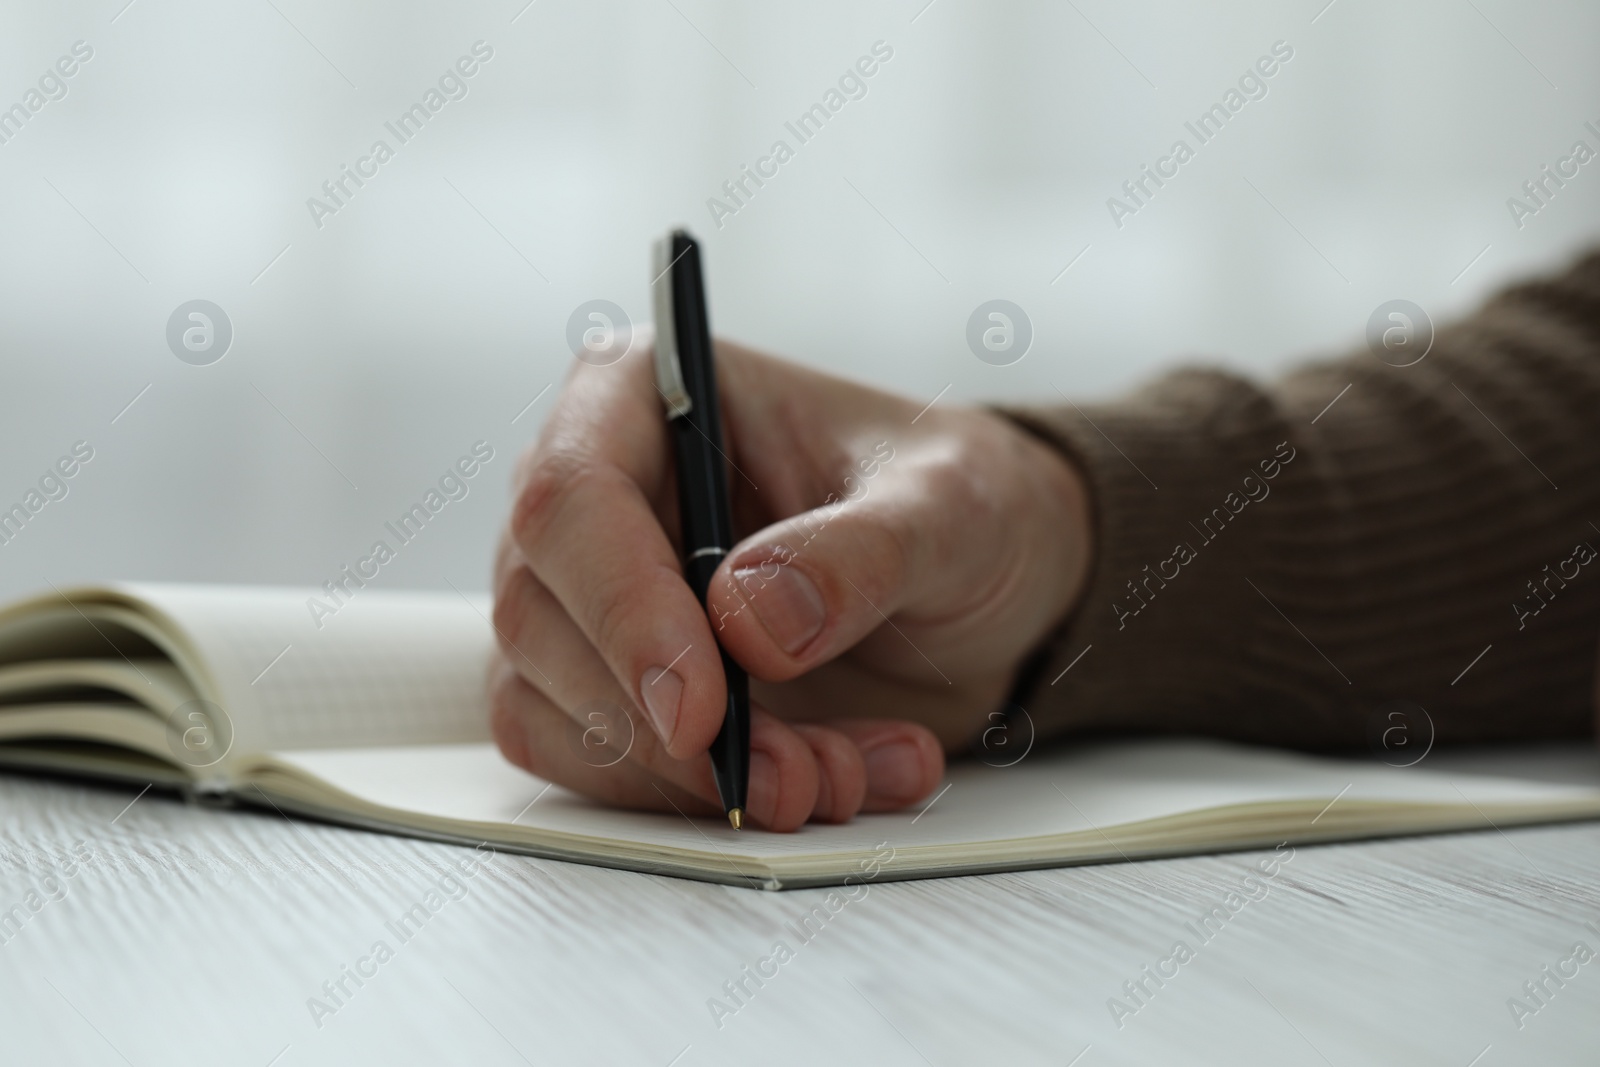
{"x": 510, "y": 611}
{"x": 610, "y": 612}
{"x": 621, "y": 610}
{"x": 958, "y": 487}
{"x": 525, "y": 460}
{"x": 549, "y": 482}
{"x": 954, "y": 484}
{"x": 505, "y": 724}
{"x": 898, "y": 538}
{"x": 536, "y": 759}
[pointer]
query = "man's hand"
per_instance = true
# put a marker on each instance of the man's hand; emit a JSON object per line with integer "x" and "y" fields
{"x": 897, "y": 570}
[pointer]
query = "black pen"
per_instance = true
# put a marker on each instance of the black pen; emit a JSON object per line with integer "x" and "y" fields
{"x": 687, "y": 379}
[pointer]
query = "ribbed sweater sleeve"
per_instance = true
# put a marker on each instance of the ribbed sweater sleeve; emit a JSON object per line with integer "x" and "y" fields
{"x": 1270, "y": 568}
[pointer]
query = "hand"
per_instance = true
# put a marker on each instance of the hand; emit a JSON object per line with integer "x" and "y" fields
{"x": 897, "y": 570}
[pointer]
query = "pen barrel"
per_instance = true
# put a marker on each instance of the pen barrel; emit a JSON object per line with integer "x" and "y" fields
{"x": 697, "y": 572}
{"x": 730, "y": 752}
{"x": 703, "y": 509}
{"x": 697, "y": 433}
{"x": 703, "y": 501}
{"x": 707, "y": 527}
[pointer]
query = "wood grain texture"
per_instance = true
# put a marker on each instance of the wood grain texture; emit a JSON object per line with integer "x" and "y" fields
{"x": 197, "y": 937}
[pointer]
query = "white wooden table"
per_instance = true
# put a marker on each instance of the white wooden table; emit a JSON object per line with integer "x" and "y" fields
{"x": 194, "y": 936}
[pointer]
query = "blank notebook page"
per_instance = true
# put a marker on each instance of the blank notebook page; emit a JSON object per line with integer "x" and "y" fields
{"x": 1075, "y": 789}
{"x": 388, "y": 668}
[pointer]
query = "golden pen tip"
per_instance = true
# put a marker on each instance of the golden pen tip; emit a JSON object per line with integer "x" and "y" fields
{"x": 736, "y": 818}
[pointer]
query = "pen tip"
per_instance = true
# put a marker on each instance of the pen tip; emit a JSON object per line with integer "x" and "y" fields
{"x": 736, "y": 819}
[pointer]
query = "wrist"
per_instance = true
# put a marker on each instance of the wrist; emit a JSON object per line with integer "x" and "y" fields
{"x": 1060, "y": 527}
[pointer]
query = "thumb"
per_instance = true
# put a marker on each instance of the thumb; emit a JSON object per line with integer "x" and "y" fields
{"x": 803, "y": 591}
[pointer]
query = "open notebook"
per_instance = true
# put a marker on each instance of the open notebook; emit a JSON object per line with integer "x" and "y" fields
{"x": 377, "y": 720}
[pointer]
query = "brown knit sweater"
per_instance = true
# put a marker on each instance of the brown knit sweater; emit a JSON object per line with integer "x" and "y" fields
{"x": 1263, "y": 576}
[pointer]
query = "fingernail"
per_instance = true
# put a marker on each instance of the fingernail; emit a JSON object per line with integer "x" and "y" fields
{"x": 662, "y": 690}
{"x": 788, "y": 605}
{"x": 894, "y": 771}
{"x": 763, "y": 793}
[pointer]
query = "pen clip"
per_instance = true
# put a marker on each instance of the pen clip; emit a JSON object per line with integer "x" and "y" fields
{"x": 669, "y": 371}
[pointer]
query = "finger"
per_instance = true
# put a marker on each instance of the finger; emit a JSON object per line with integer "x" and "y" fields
{"x": 783, "y": 768}
{"x": 806, "y": 589}
{"x": 841, "y": 773}
{"x": 529, "y": 623}
{"x": 903, "y": 760}
{"x": 540, "y": 641}
{"x": 536, "y": 735}
{"x": 585, "y": 525}
{"x": 783, "y": 773}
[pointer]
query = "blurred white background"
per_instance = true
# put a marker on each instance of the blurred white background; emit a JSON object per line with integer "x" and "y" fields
{"x": 370, "y": 353}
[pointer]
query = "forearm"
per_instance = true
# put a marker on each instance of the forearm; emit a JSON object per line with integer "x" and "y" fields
{"x": 1269, "y": 571}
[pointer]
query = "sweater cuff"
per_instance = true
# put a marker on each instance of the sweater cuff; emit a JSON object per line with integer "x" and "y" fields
{"x": 1170, "y": 626}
